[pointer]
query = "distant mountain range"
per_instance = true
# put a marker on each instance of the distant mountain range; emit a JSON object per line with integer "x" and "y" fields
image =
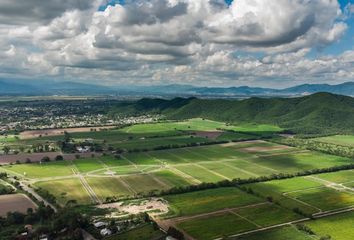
{"x": 45, "y": 88}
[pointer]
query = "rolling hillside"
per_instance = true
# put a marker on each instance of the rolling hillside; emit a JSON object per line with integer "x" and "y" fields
{"x": 317, "y": 113}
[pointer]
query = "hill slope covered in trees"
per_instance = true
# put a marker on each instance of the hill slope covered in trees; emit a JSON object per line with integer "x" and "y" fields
{"x": 317, "y": 113}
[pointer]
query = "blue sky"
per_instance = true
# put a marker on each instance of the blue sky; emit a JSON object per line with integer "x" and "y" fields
{"x": 198, "y": 42}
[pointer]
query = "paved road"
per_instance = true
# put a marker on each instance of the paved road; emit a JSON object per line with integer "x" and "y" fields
{"x": 30, "y": 190}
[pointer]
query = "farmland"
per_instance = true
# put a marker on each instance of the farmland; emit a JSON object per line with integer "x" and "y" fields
{"x": 344, "y": 140}
{"x": 173, "y": 160}
{"x": 15, "y": 202}
{"x": 143, "y": 172}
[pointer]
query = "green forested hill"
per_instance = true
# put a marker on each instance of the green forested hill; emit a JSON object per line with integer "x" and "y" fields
{"x": 318, "y": 113}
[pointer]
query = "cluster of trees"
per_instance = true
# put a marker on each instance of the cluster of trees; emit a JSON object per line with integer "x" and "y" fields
{"x": 334, "y": 149}
{"x": 238, "y": 181}
{"x": 46, "y": 195}
{"x": 174, "y": 146}
{"x": 66, "y": 223}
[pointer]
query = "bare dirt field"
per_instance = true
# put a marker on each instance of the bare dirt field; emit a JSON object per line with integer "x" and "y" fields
{"x": 15, "y": 202}
{"x": 157, "y": 205}
{"x": 59, "y": 131}
{"x": 36, "y": 157}
{"x": 210, "y": 135}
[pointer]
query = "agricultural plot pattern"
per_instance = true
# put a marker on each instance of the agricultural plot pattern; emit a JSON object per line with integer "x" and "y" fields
{"x": 239, "y": 212}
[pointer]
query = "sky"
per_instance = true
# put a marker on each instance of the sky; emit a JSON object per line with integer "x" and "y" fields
{"x": 263, "y": 43}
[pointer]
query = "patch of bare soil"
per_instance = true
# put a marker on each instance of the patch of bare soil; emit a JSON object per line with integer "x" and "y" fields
{"x": 156, "y": 205}
{"x": 59, "y": 131}
{"x": 15, "y": 202}
{"x": 210, "y": 135}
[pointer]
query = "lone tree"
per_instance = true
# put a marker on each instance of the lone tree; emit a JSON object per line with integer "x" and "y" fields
{"x": 6, "y": 150}
{"x": 59, "y": 158}
{"x": 173, "y": 232}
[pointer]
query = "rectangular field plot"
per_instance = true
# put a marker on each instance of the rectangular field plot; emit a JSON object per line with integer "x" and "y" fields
{"x": 87, "y": 165}
{"x": 338, "y": 177}
{"x": 125, "y": 170}
{"x": 65, "y": 190}
{"x": 325, "y": 198}
{"x": 229, "y": 172}
{"x": 278, "y": 189}
{"x": 209, "y": 200}
{"x": 151, "y": 143}
{"x": 267, "y": 214}
{"x": 192, "y": 124}
{"x": 111, "y": 161}
{"x": 37, "y": 170}
{"x": 144, "y": 183}
{"x": 108, "y": 187}
{"x": 236, "y": 221}
{"x": 301, "y": 161}
{"x": 171, "y": 179}
{"x": 339, "y": 227}
{"x": 283, "y": 233}
{"x": 141, "y": 159}
{"x": 15, "y": 203}
{"x": 252, "y": 168}
{"x": 213, "y": 227}
{"x": 344, "y": 140}
{"x": 199, "y": 173}
{"x": 168, "y": 157}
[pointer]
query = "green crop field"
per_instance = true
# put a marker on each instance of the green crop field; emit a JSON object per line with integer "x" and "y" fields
{"x": 256, "y": 128}
{"x": 236, "y": 221}
{"x": 283, "y": 233}
{"x": 338, "y": 177}
{"x": 108, "y": 187}
{"x": 344, "y": 140}
{"x": 325, "y": 198}
{"x": 267, "y": 215}
{"x": 209, "y": 200}
{"x": 65, "y": 190}
{"x": 216, "y": 227}
{"x": 8, "y": 139}
{"x": 339, "y": 227}
{"x": 41, "y": 170}
{"x": 196, "y": 124}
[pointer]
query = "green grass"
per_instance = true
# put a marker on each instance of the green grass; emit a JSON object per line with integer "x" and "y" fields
{"x": 325, "y": 198}
{"x": 108, "y": 187}
{"x": 209, "y": 200}
{"x": 141, "y": 233}
{"x": 8, "y": 139}
{"x": 275, "y": 189}
{"x": 339, "y": 227}
{"x": 268, "y": 214}
{"x": 283, "y": 233}
{"x": 87, "y": 165}
{"x": 171, "y": 178}
{"x": 199, "y": 173}
{"x": 227, "y": 171}
{"x": 43, "y": 170}
{"x": 143, "y": 183}
{"x": 151, "y": 143}
{"x": 256, "y": 128}
{"x": 296, "y": 162}
{"x": 216, "y": 226}
{"x": 196, "y": 124}
{"x": 338, "y": 177}
{"x": 344, "y": 140}
{"x": 65, "y": 190}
